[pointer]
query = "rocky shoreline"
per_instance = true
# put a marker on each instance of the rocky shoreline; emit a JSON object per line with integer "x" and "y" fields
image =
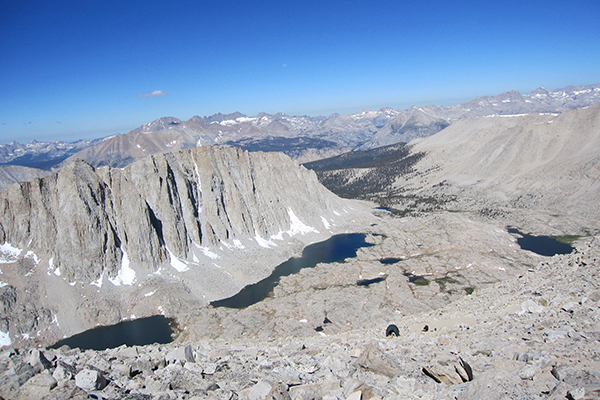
{"x": 533, "y": 336}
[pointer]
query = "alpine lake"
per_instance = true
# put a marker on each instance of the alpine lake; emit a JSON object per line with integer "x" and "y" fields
{"x": 158, "y": 329}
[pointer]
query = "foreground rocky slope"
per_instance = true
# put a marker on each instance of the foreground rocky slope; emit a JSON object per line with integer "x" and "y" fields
{"x": 85, "y": 246}
{"x": 532, "y": 336}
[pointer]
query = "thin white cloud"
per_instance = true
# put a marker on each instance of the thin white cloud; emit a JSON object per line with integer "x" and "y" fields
{"x": 156, "y": 93}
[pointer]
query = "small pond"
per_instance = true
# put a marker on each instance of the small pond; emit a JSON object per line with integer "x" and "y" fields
{"x": 542, "y": 245}
{"x": 139, "y": 332}
{"x": 390, "y": 260}
{"x": 367, "y": 282}
{"x": 335, "y": 249}
{"x": 418, "y": 280}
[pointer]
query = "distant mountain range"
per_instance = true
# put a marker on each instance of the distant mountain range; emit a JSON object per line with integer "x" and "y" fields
{"x": 41, "y": 155}
{"x": 303, "y": 138}
{"x": 24, "y": 162}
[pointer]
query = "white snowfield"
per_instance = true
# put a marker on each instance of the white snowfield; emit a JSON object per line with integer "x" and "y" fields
{"x": 126, "y": 275}
{"x": 176, "y": 263}
{"x": 4, "y": 339}
{"x": 9, "y": 253}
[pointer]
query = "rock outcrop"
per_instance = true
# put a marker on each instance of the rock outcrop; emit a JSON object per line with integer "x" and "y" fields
{"x": 186, "y": 218}
{"x": 88, "y": 220}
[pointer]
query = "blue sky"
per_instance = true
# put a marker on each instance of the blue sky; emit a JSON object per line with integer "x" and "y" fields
{"x": 91, "y": 68}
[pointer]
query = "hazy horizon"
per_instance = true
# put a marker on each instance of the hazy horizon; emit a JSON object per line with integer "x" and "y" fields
{"x": 91, "y": 69}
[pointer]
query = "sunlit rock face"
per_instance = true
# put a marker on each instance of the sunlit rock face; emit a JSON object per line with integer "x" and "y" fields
{"x": 209, "y": 220}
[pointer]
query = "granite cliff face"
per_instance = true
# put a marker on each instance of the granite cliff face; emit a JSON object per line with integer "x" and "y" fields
{"x": 183, "y": 218}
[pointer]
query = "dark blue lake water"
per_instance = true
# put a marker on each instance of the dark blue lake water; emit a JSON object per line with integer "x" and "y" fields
{"x": 391, "y": 260}
{"x": 543, "y": 245}
{"x": 368, "y": 282}
{"x": 335, "y": 249}
{"x": 139, "y": 332}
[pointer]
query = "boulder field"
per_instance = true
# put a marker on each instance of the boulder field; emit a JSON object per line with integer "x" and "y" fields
{"x": 533, "y": 335}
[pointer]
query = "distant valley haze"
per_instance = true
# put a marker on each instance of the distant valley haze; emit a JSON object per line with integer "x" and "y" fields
{"x": 93, "y": 69}
{"x": 303, "y": 138}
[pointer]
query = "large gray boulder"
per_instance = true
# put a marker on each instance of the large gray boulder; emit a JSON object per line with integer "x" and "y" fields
{"x": 37, "y": 387}
{"x": 90, "y": 380}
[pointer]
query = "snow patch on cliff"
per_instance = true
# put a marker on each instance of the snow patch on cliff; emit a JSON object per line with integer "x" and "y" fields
{"x": 5, "y": 339}
{"x": 264, "y": 242}
{"x": 126, "y": 275}
{"x": 297, "y": 226}
{"x": 176, "y": 263}
{"x": 99, "y": 281}
{"x": 206, "y": 251}
{"x": 9, "y": 253}
{"x": 33, "y": 256}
